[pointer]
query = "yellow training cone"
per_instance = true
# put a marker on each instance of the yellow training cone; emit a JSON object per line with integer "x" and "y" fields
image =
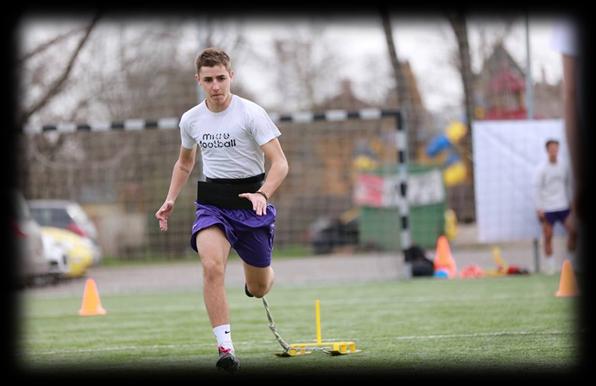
{"x": 567, "y": 284}
{"x": 91, "y": 304}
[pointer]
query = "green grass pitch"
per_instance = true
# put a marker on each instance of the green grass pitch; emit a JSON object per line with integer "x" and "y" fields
{"x": 509, "y": 323}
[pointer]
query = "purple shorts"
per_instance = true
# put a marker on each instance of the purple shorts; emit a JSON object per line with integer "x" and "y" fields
{"x": 250, "y": 235}
{"x": 559, "y": 215}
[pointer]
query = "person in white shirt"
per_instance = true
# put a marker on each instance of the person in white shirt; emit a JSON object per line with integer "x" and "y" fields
{"x": 553, "y": 201}
{"x": 234, "y": 136}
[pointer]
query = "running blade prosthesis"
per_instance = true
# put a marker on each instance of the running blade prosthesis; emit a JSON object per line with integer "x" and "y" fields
{"x": 296, "y": 349}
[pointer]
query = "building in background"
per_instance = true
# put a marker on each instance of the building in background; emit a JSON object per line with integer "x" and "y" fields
{"x": 500, "y": 90}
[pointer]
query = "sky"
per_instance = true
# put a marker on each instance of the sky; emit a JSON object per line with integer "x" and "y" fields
{"x": 427, "y": 43}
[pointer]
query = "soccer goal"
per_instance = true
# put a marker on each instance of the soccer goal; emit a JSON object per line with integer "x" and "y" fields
{"x": 350, "y": 188}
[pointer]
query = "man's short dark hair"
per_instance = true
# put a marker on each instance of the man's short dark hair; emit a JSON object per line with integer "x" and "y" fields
{"x": 213, "y": 56}
{"x": 548, "y": 142}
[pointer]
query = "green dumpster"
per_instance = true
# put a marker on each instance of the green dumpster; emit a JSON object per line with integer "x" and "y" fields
{"x": 380, "y": 225}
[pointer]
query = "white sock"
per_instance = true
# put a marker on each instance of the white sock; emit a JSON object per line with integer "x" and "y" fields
{"x": 223, "y": 334}
{"x": 550, "y": 264}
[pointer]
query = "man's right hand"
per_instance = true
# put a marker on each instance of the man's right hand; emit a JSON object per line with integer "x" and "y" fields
{"x": 540, "y": 214}
{"x": 163, "y": 213}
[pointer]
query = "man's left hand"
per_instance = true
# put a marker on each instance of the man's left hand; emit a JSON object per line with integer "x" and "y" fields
{"x": 259, "y": 203}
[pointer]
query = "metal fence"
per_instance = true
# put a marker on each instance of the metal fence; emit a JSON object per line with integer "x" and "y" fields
{"x": 343, "y": 190}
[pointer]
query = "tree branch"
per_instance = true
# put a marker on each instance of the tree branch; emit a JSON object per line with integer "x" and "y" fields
{"x": 459, "y": 26}
{"x": 44, "y": 46}
{"x": 402, "y": 94}
{"x": 56, "y": 87}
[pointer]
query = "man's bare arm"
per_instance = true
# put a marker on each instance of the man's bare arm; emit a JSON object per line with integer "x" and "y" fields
{"x": 275, "y": 176}
{"x": 182, "y": 169}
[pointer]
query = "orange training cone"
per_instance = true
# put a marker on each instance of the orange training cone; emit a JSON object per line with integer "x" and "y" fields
{"x": 443, "y": 258}
{"x": 567, "y": 284}
{"x": 91, "y": 304}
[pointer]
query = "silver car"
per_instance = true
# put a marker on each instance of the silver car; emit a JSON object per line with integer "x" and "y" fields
{"x": 32, "y": 264}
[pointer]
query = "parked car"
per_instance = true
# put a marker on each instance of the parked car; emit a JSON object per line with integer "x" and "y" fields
{"x": 67, "y": 215}
{"x": 56, "y": 256}
{"x": 31, "y": 264}
{"x": 79, "y": 250}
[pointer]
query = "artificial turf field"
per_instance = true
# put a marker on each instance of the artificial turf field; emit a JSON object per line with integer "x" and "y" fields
{"x": 511, "y": 323}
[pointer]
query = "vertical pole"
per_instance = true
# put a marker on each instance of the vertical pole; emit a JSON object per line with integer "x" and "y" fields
{"x": 529, "y": 88}
{"x": 530, "y": 108}
{"x": 401, "y": 141}
{"x": 318, "y": 320}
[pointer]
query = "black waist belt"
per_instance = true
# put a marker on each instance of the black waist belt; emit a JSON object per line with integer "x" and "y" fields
{"x": 223, "y": 192}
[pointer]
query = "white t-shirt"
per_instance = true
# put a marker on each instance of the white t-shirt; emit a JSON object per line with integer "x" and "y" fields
{"x": 553, "y": 185}
{"x": 229, "y": 140}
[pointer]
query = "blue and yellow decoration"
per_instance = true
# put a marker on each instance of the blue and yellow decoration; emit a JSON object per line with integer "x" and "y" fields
{"x": 454, "y": 170}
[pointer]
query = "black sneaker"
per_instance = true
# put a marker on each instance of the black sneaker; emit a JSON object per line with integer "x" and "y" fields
{"x": 247, "y": 293}
{"x": 227, "y": 361}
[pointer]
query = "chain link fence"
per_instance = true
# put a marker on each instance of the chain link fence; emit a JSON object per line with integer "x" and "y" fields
{"x": 120, "y": 175}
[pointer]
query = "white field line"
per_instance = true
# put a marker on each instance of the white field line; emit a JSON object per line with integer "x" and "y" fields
{"x": 354, "y": 301}
{"x": 120, "y": 348}
{"x": 448, "y": 336}
{"x": 476, "y": 335}
{"x": 252, "y": 343}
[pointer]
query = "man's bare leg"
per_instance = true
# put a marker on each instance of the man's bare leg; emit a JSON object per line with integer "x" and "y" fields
{"x": 547, "y": 231}
{"x": 213, "y": 248}
{"x": 258, "y": 280}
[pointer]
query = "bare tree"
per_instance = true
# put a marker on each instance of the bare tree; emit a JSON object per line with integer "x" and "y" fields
{"x": 458, "y": 24}
{"x": 408, "y": 98}
{"x": 49, "y": 44}
{"x": 491, "y": 32}
{"x": 464, "y": 64}
{"x": 306, "y": 68}
{"x": 229, "y": 36}
{"x": 401, "y": 89}
{"x": 151, "y": 74}
{"x": 142, "y": 76}
{"x": 129, "y": 69}
{"x": 58, "y": 84}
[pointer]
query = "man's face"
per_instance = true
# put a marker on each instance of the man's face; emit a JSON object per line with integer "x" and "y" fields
{"x": 552, "y": 151}
{"x": 216, "y": 82}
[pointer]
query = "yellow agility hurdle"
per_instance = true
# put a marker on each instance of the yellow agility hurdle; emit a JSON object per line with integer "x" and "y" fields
{"x": 330, "y": 347}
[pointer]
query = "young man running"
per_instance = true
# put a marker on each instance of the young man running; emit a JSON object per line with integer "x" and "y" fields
{"x": 232, "y": 210}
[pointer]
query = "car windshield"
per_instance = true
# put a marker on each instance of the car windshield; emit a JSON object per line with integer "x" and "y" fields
{"x": 53, "y": 217}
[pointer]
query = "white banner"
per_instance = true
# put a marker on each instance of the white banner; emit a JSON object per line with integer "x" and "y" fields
{"x": 506, "y": 157}
{"x": 424, "y": 188}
